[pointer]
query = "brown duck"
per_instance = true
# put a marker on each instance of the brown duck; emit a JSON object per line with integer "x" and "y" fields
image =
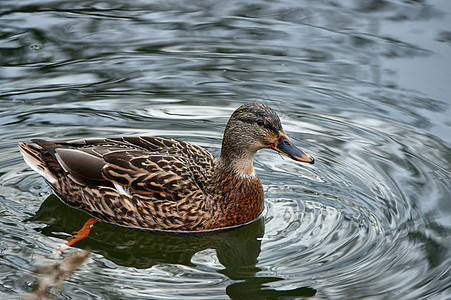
{"x": 164, "y": 184}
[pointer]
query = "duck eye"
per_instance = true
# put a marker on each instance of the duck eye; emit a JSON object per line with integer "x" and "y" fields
{"x": 260, "y": 123}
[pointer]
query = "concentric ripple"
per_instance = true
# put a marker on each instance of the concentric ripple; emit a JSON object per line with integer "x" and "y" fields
{"x": 350, "y": 218}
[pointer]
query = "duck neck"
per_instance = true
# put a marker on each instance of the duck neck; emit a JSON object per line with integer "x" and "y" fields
{"x": 239, "y": 191}
{"x": 237, "y": 161}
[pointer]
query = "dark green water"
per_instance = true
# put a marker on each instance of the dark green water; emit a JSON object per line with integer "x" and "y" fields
{"x": 363, "y": 86}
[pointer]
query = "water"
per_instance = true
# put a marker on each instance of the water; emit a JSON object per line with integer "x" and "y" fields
{"x": 363, "y": 86}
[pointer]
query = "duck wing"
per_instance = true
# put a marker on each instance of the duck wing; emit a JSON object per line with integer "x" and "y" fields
{"x": 165, "y": 168}
{"x": 160, "y": 175}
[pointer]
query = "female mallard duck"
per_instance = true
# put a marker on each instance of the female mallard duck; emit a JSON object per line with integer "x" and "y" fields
{"x": 163, "y": 184}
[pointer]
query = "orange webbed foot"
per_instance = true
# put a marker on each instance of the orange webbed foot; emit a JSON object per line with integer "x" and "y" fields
{"x": 76, "y": 236}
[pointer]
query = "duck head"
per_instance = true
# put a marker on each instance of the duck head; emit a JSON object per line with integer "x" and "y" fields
{"x": 252, "y": 127}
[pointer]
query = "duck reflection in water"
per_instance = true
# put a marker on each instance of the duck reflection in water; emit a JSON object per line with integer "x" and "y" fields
{"x": 237, "y": 250}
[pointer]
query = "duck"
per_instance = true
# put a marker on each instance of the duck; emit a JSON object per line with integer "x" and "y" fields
{"x": 164, "y": 184}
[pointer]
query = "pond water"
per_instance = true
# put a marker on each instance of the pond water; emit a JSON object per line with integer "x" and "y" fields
{"x": 363, "y": 86}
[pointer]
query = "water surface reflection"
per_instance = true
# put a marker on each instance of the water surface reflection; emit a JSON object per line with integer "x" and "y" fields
{"x": 237, "y": 250}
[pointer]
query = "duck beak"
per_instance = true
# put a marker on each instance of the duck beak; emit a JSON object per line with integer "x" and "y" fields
{"x": 285, "y": 145}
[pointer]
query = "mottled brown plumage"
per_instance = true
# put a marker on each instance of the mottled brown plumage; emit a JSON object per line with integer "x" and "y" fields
{"x": 164, "y": 184}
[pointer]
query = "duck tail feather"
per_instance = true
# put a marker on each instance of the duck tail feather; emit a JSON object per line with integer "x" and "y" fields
{"x": 33, "y": 157}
